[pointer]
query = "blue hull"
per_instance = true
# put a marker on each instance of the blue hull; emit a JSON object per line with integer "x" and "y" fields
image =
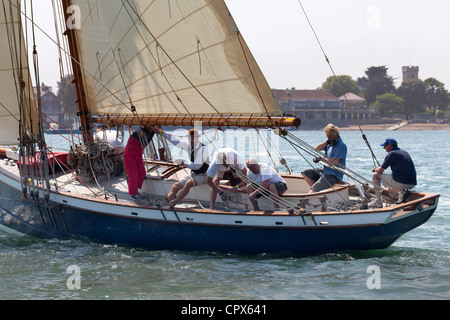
{"x": 64, "y": 222}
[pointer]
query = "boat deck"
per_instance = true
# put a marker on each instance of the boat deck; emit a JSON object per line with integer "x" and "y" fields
{"x": 105, "y": 187}
{"x": 161, "y": 177}
{"x": 159, "y": 181}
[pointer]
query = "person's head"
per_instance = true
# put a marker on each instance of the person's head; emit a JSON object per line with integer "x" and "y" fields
{"x": 193, "y": 137}
{"x": 145, "y": 127}
{"x": 389, "y": 144}
{"x": 253, "y": 165}
{"x": 331, "y": 131}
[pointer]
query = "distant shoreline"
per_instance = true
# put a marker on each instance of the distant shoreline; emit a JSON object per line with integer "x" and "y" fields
{"x": 408, "y": 127}
{"x": 384, "y": 127}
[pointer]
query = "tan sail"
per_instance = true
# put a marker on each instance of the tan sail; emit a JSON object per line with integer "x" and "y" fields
{"x": 168, "y": 58}
{"x": 13, "y": 67}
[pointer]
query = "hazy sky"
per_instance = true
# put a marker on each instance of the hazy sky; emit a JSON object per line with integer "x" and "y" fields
{"x": 355, "y": 35}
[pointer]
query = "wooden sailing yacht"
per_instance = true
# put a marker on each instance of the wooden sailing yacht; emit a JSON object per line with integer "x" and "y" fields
{"x": 163, "y": 63}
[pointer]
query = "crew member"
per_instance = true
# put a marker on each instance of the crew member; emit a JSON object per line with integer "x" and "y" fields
{"x": 134, "y": 162}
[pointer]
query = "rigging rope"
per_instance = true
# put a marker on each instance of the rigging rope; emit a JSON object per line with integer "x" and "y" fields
{"x": 57, "y": 14}
{"x": 75, "y": 61}
{"x": 264, "y": 192}
{"x": 309, "y": 149}
{"x": 320, "y": 173}
{"x": 374, "y": 158}
{"x": 239, "y": 36}
{"x": 168, "y": 56}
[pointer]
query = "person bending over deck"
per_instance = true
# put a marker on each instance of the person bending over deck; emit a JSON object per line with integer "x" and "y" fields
{"x": 199, "y": 164}
{"x": 225, "y": 161}
{"x": 264, "y": 176}
{"x": 336, "y": 154}
{"x": 134, "y": 163}
{"x": 403, "y": 177}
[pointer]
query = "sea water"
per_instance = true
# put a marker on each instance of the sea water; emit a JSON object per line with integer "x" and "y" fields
{"x": 417, "y": 266}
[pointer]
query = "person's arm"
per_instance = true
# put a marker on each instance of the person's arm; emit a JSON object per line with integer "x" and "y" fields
{"x": 239, "y": 185}
{"x": 379, "y": 170}
{"x": 211, "y": 183}
{"x": 332, "y": 161}
{"x": 264, "y": 184}
{"x": 339, "y": 154}
{"x": 321, "y": 146}
{"x": 176, "y": 141}
{"x": 148, "y": 131}
{"x": 386, "y": 164}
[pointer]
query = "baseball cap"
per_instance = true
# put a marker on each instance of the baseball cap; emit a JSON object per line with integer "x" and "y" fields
{"x": 389, "y": 141}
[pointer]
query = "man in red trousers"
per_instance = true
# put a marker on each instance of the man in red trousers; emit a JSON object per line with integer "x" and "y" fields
{"x": 134, "y": 163}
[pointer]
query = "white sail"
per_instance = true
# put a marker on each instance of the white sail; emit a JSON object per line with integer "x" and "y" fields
{"x": 168, "y": 57}
{"x": 13, "y": 66}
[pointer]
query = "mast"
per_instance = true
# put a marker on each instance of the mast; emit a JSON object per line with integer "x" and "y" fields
{"x": 78, "y": 81}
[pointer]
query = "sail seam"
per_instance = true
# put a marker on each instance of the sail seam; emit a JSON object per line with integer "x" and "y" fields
{"x": 170, "y": 58}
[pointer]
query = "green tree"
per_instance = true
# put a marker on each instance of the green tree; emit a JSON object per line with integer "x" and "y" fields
{"x": 376, "y": 83}
{"x": 362, "y": 84}
{"x": 390, "y": 103}
{"x": 346, "y": 82}
{"x": 67, "y": 96}
{"x": 436, "y": 94}
{"x": 413, "y": 92}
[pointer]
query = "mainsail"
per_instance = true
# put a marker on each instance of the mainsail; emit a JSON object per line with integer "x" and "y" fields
{"x": 168, "y": 57}
{"x": 17, "y": 103}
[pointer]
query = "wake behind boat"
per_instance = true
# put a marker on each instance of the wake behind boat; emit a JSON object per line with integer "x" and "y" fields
{"x": 156, "y": 65}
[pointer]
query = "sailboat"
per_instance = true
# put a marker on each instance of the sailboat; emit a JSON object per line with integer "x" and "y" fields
{"x": 163, "y": 64}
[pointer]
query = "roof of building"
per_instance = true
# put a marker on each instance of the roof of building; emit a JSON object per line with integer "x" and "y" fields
{"x": 293, "y": 94}
{"x": 351, "y": 97}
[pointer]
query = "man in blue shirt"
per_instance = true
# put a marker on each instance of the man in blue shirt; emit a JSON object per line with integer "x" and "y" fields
{"x": 336, "y": 153}
{"x": 403, "y": 175}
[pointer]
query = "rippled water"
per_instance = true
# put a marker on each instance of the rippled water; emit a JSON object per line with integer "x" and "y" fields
{"x": 415, "y": 267}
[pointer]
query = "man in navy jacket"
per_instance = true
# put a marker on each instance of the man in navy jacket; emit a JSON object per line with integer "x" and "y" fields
{"x": 403, "y": 175}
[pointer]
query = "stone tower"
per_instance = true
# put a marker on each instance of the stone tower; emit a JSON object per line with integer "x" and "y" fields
{"x": 410, "y": 73}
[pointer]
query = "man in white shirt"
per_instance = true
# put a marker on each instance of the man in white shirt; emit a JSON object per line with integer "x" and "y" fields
{"x": 262, "y": 175}
{"x": 225, "y": 162}
{"x": 199, "y": 164}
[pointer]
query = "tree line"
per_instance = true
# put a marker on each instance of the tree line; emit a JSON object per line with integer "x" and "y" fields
{"x": 377, "y": 87}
